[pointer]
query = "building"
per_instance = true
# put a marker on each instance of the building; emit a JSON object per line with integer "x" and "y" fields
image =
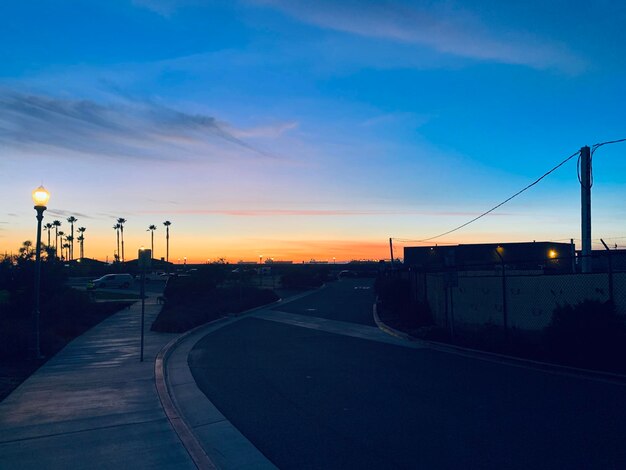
{"x": 544, "y": 256}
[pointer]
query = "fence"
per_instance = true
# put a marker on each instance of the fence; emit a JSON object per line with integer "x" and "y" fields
{"x": 514, "y": 296}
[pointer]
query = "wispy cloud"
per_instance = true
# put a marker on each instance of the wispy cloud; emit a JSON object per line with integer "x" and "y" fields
{"x": 437, "y": 25}
{"x": 122, "y": 129}
{"x": 313, "y": 212}
{"x": 269, "y": 131}
{"x": 65, "y": 213}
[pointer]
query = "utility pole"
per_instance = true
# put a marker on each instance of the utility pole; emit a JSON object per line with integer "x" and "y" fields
{"x": 391, "y": 250}
{"x": 585, "y": 206}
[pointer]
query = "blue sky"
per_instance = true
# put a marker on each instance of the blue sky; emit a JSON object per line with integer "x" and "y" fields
{"x": 309, "y": 129}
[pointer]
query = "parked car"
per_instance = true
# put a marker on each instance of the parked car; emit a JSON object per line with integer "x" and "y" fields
{"x": 112, "y": 281}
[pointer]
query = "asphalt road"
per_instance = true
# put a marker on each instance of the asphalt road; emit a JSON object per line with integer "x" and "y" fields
{"x": 347, "y": 300}
{"x": 309, "y": 398}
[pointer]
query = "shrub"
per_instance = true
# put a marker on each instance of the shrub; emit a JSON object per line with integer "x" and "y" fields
{"x": 189, "y": 304}
{"x": 589, "y": 335}
{"x": 304, "y": 277}
{"x": 394, "y": 297}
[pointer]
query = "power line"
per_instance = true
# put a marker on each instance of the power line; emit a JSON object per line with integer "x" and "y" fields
{"x": 506, "y": 200}
{"x": 594, "y": 148}
{"x": 608, "y": 142}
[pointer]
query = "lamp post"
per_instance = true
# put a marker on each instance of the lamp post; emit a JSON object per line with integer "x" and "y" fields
{"x": 144, "y": 261}
{"x": 40, "y": 198}
{"x": 500, "y": 252}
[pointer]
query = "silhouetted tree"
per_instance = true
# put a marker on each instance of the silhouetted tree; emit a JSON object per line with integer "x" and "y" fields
{"x": 81, "y": 240}
{"x": 167, "y": 224}
{"x": 48, "y": 227}
{"x": 116, "y": 227}
{"x": 26, "y": 251}
{"x": 121, "y": 223}
{"x": 56, "y": 224}
{"x": 151, "y": 229}
{"x": 60, "y": 235}
{"x": 71, "y": 220}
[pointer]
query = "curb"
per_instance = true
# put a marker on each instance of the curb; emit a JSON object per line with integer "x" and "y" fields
{"x": 588, "y": 374}
{"x": 199, "y": 457}
{"x": 182, "y": 429}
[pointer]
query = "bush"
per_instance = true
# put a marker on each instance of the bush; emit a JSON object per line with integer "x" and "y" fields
{"x": 589, "y": 335}
{"x": 189, "y": 304}
{"x": 304, "y": 277}
{"x": 394, "y": 297}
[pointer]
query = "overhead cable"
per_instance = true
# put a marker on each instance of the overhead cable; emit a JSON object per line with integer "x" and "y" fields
{"x": 506, "y": 200}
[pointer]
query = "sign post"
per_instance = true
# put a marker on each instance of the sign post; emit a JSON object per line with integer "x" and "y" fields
{"x": 144, "y": 261}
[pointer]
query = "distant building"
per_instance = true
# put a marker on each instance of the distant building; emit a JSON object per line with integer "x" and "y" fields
{"x": 546, "y": 256}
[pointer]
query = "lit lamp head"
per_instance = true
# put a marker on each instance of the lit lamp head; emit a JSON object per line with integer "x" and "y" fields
{"x": 41, "y": 197}
{"x": 552, "y": 254}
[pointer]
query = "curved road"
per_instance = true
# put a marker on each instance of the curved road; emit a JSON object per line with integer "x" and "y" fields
{"x": 314, "y": 384}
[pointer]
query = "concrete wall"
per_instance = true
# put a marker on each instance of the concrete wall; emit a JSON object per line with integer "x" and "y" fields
{"x": 531, "y": 300}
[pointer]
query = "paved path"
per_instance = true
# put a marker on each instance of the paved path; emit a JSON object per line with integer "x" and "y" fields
{"x": 93, "y": 405}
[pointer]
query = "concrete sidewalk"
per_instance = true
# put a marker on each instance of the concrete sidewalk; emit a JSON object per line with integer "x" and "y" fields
{"x": 94, "y": 405}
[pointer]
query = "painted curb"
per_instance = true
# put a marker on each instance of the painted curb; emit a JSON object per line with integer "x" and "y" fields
{"x": 588, "y": 374}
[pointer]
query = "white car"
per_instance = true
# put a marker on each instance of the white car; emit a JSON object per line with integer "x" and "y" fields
{"x": 112, "y": 281}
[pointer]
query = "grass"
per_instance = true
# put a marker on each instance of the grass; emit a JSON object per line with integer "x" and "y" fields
{"x": 16, "y": 368}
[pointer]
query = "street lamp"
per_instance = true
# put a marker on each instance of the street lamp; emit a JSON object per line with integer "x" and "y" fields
{"x": 500, "y": 252}
{"x": 40, "y": 198}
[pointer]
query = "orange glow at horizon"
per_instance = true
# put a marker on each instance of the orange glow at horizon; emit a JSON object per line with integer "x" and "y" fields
{"x": 198, "y": 251}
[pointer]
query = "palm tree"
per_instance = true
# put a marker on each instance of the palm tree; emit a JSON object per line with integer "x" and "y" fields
{"x": 71, "y": 219}
{"x": 56, "y": 224}
{"x": 116, "y": 227}
{"x": 47, "y": 228}
{"x": 121, "y": 223}
{"x": 66, "y": 246}
{"x": 60, "y": 234}
{"x": 27, "y": 251}
{"x": 151, "y": 229}
{"x": 167, "y": 224}
{"x": 81, "y": 239}
{"x": 70, "y": 240}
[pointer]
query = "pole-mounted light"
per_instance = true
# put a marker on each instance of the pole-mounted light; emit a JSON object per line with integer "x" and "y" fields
{"x": 41, "y": 196}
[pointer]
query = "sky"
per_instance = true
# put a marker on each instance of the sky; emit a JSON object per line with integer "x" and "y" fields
{"x": 300, "y": 130}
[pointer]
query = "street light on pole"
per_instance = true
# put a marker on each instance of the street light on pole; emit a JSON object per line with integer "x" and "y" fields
{"x": 40, "y": 198}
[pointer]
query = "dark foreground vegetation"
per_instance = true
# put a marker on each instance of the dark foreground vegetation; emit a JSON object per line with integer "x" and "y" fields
{"x": 207, "y": 295}
{"x": 65, "y": 313}
{"x": 588, "y": 335}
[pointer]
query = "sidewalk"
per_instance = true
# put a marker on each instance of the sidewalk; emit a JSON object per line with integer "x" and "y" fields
{"x": 94, "y": 405}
